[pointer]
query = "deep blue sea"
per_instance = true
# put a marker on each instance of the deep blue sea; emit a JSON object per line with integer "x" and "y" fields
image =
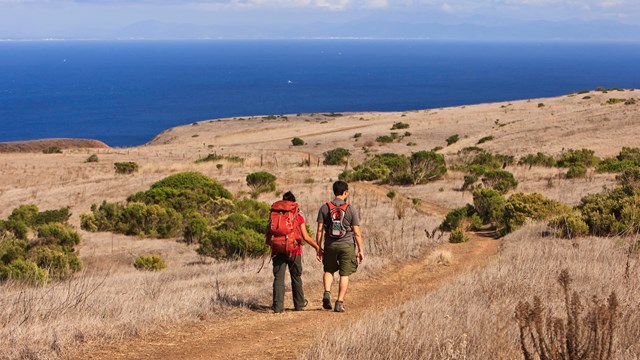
{"x": 124, "y": 93}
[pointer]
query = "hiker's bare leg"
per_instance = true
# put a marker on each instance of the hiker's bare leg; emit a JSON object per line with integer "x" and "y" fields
{"x": 327, "y": 280}
{"x": 342, "y": 289}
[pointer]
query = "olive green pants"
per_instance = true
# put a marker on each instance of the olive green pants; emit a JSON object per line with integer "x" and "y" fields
{"x": 280, "y": 264}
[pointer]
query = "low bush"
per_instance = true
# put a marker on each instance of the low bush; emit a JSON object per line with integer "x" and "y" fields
{"x": 337, "y": 156}
{"x": 628, "y": 158}
{"x": 584, "y": 157}
{"x": 384, "y": 139}
{"x": 92, "y": 158}
{"x": 538, "y": 159}
{"x": 613, "y": 213}
{"x": 128, "y": 167}
{"x": 630, "y": 179}
{"x": 500, "y": 180}
{"x": 296, "y": 141}
{"x": 399, "y": 125}
{"x": 453, "y": 139}
{"x": 520, "y": 207}
{"x": 485, "y": 139}
{"x": 233, "y": 244}
{"x": 469, "y": 182}
{"x": 49, "y": 256}
{"x": 569, "y": 225}
{"x": 261, "y": 182}
{"x": 150, "y": 263}
{"x": 357, "y": 135}
{"x": 458, "y": 236}
{"x": 458, "y": 218}
{"x": 489, "y": 204}
{"x": 576, "y": 171}
{"x": 189, "y": 205}
{"x": 420, "y": 168}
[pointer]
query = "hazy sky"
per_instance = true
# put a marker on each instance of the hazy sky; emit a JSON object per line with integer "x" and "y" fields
{"x": 104, "y": 18}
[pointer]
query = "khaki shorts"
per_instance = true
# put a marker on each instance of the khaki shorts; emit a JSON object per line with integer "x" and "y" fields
{"x": 340, "y": 257}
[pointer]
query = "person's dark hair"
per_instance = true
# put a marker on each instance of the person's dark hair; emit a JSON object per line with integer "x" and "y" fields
{"x": 339, "y": 187}
{"x": 289, "y": 196}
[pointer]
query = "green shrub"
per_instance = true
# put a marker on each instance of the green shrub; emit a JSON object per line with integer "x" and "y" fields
{"x": 453, "y": 139}
{"x": 612, "y": 213}
{"x": 384, "y": 139}
{"x": 489, "y": 205}
{"x": 576, "y": 171}
{"x": 25, "y": 214}
{"x": 540, "y": 105}
{"x": 630, "y": 179}
{"x": 150, "y": 263}
{"x": 614, "y": 101}
{"x": 233, "y": 244}
{"x": 399, "y": 125}
{"x": 485, "y": 139}
{"x": 128, "y": 167}
{"x": 613, "y": 165}
{"x": 500, "y": 180}
{"x": 296, "y": 141}
{"x": 92, "y": 158}
{"x": 24, "y": 271}
{"x": 52, "y": 150}
{"x": 58, "y": 261}
{"x": 584, "y": 157}
{"x": 416, "y": 201}
{"x": 407, "y": 133}
{"x": 520, "y": 207}
{"x": 357, "y": 135}
{"x": 437, "y": 148}
{"x": 538, "y": 159}
{"x": 58, "y": 234}
{"x": 12, "y": 249}
{"x": 569, "y": 226}
{"x": 426, "y": 166}
{"x": 458, "y": 236}
{"x": 261, "y": 182}
{"x": 457, "y": 218}
{"x": 337, "y": 156}
{"x": 391, "y": 194}
{"x": 469, "y": 181}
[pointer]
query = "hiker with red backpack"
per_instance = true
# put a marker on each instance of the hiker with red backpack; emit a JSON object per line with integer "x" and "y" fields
{"x": 339, "y": 226}
{"x": 285, "y": 233}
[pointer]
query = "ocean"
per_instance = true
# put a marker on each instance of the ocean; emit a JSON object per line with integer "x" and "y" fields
{"x": 126, "y": 92}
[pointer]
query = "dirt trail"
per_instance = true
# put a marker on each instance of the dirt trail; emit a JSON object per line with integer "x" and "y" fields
{"x": 262, "y": 334}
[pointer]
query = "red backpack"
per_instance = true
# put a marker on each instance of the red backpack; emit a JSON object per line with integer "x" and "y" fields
{"x": 283, "y": 231}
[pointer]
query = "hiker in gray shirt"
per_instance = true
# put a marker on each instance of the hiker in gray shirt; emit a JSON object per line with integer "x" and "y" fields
{"x": 339, "y": 228}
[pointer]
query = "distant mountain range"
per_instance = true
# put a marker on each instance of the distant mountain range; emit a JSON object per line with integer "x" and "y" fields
{"x": 571, "y": 31}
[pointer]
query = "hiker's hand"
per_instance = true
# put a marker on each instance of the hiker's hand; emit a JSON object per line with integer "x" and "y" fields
{"x": 360, "y": 256}
{"x": 319, "y": 254}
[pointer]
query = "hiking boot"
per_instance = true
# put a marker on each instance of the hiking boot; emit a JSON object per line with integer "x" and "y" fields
{"x": 306, "y": 302}
{"x": 339, "y": 307}
{"x": 326, "y": 300}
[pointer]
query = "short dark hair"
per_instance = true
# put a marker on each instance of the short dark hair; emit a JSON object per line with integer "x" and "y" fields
{"x": 339, "y": 187}
{"x": 289, "y": 196}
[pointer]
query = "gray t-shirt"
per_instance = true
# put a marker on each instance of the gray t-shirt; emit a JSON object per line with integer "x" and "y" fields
{"x": 350, "y": 220}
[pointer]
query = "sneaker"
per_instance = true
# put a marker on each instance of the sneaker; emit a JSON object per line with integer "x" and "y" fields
{"x": 326, "y": 300}
{"x": 339, "y": 307}
{"x": 306, "y": 302}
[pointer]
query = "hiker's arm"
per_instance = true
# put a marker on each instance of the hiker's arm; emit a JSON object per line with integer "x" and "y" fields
{"x": 358, "y": 236}
{"x": 319, "y": 238}
{"x": 307, "y": 238}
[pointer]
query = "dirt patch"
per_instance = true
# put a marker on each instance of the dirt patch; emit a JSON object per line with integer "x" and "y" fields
{"x": 260, "y": 334}
{"x": 30, "y": 146}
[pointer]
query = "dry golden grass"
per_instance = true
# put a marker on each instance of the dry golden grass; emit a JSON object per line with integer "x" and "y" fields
{"x": 473, "y": 316}
{"x": 110, "y": 300}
